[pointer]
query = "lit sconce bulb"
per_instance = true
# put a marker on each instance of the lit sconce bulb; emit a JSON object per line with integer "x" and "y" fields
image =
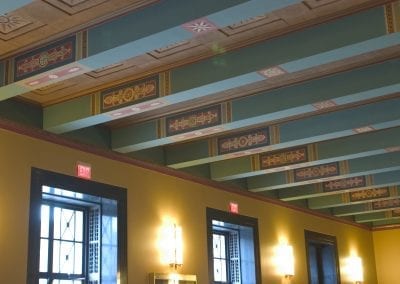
{"x": 355, "y": 269}
{"x": 285, "y": 260}
{"x": 172, "y": 251}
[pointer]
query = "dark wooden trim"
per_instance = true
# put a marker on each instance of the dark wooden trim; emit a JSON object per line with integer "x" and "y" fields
{"x": 323, "y": 239}
{"x": 41, "y": 177}
{"x": 108, "y": 154}
{"x": 236, "y": 219}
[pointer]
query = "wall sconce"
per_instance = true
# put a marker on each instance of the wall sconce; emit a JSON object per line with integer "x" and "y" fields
{"x": 172, "y": 246}
{"x": 355, "y": 269}
{"x": 285, "y": 260}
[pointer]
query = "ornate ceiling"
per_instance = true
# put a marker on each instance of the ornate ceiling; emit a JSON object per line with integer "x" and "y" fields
{"x": 292, "y": 100}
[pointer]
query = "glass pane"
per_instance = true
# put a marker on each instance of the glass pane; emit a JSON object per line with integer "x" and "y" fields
{"x": 67, "y": 257}
{"x": 57, "y": 217}
{"x": 56, "y": 256}
{"x": 220, "y": 270}
{"x": 44, "y": 222}
{"x": 67, "y": 224}
{"x": 78, "y": 258}
{"x": 42, "y": 281}
{"x": 218, "y": 246}
{"x": 78, "y": 226}
{"x": 44, "y": 255}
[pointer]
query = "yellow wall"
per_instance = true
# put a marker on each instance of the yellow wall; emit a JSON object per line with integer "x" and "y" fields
{"x": 387, "y": 254}
{"x": 151, "y": 196}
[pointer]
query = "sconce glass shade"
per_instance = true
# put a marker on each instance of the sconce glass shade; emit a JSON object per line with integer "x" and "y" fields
{"x": 172, "y": 247}
{"x": 356, "y": 269}
{"x": 285, "y": 260}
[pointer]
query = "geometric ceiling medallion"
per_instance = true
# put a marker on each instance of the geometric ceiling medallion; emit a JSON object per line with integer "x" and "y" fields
{"x": 10, "y": 23}
{"x": 74, "y": 6}
{"x": 13, "y": 25}
{"x": 272, "y": 72}
{"x": 199, "y": 26}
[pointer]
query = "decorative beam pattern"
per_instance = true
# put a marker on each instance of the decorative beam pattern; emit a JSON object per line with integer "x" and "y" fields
{"x": 312, "y": 191}
{"x": 328, "y": 173}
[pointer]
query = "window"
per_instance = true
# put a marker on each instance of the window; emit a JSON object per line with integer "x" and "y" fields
{"x": 233, "y": 248}
{"x": 322, "y": 258}
{"x": 77, "y": 231}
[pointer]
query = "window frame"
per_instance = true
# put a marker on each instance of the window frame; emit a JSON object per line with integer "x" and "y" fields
{"x": 226, "y": 251}
{"x": 51, "y": 239}
{"x": 40, "y": 177}
{"x": 312, "y": 237}
{"x": 236, "y": 219}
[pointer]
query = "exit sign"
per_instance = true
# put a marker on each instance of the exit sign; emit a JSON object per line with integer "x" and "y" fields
{"x": 83, "y": 170}
{"x": 233, "y": 207}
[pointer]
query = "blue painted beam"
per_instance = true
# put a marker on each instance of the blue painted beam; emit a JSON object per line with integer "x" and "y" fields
{"x": 161, "y": 37}
{"x": 310, "y": 191}
{"x": 300, "y": 132}
{"x": 329, "y": 200}
{"x": 227, "y": 84}
{"x": 357, "y": 167}
{"x": 346, "y": 148}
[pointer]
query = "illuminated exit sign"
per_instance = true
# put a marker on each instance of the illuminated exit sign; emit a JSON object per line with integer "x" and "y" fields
{"x": 83, "y": 170}
{"x": 233, "y": 207}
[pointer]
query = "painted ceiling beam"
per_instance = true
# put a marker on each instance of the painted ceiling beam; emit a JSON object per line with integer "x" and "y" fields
{"x": 218, "y": 84}
{"x": 385, "y": 179}
{"x": 350, "y": 197}
{"x": 377, "y": 216}
{"x": 175, "y": 26}
{"x": 389, "y": 222}
{"x": 346, "y": 148}
{"x": 269, "y": 105}
{"x": 371, "y": 207}
{"x": 131, "y": 138}
{"x": 327, "y": 172}
{"x": 240, "y": 68}
{"x": 7, "y": 6}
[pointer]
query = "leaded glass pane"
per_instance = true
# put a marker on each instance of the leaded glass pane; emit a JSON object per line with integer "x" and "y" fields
{"x": 44, "y": 255}
{"x": 78, "y": 226}
{"x": 218, "y": 246}
{"x": 78, "y": 258}
{"x": 45, "y": 220}
{"x": 220, "y": 270}
{"x": 67, "y": 224}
